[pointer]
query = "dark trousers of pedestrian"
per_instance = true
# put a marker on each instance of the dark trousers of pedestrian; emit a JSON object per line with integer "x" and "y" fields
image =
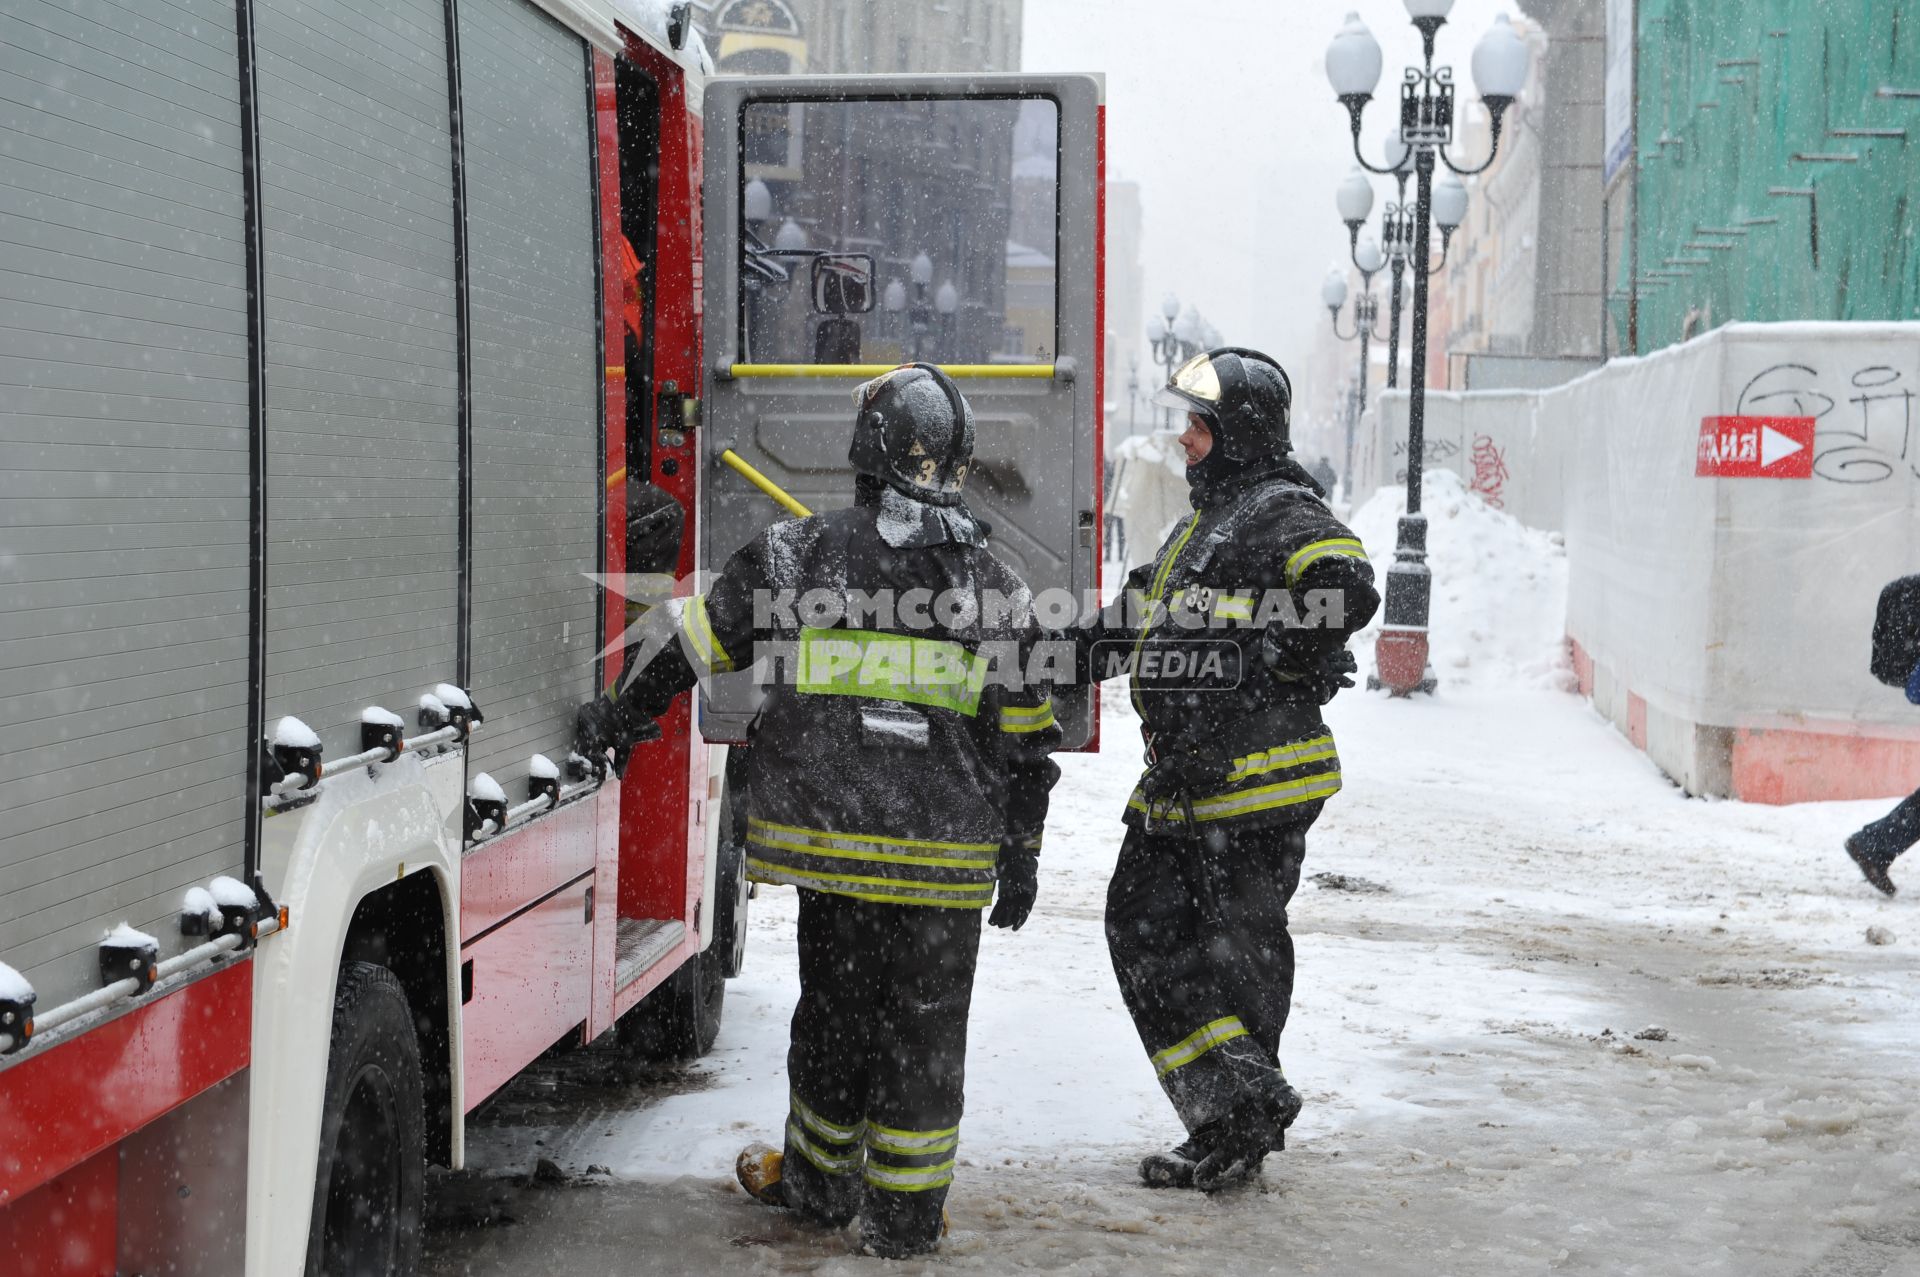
{"x": 877, "y": 1065}
{"x": 1197, "y": 929}
{"x": 1885, "y": 839}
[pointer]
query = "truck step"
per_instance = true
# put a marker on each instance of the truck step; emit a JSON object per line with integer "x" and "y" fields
{"x": 640, "y": 943}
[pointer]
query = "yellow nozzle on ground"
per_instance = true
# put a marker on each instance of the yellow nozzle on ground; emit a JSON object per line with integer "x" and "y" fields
{"x": 765, "y": 484}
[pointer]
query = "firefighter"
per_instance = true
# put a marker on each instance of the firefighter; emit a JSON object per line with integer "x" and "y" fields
{"x": 1235, "y": 636}
{"x": 899, "y": 770}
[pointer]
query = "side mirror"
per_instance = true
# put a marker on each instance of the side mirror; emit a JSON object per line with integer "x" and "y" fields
{"x": 843, "y": 283}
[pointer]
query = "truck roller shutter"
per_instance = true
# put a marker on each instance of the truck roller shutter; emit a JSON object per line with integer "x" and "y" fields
{"x": 124, "y": 493}
{"x": 363, "y": 450}
{"x": 527, "y": 136}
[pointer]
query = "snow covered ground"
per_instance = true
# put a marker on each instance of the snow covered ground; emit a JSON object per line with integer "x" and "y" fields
{"x": 1584, "y": 1024}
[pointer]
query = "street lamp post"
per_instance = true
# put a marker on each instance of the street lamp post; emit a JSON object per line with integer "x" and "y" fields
{"x": 1426, "y": 129}
{"x": 1367, "y": 258}
{"x": 1354, "y": 199}
{"x": 1175, "y": 336}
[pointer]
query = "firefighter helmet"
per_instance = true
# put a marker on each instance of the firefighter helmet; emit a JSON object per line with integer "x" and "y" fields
{"x": 914, "y": 432}
{"x": 1245, "y": 398}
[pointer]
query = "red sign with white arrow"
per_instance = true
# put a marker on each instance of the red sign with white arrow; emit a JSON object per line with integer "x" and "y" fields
{"x": 1755, "y": 448}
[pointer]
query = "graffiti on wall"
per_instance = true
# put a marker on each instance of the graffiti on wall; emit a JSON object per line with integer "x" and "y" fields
{"x": 1433, "y": 452}
{"x": 1865, "y": 428}
{"x": 1490, "y": 476}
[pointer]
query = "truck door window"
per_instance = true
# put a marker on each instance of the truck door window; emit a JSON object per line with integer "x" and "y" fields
{"x": 954, "y": 200}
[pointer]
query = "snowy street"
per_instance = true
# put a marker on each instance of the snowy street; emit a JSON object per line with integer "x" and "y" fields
{"x": 1550, "y": 1016}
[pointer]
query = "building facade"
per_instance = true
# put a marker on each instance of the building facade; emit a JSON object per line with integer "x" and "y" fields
{"x": 1770, "y": 176}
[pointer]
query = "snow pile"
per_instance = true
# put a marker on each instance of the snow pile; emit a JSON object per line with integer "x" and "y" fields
{"x": 1159, "y": 448}
{"x": 448, "y": 694}
{"x": 199, "y": 903}
{"x": 374, "y": 716}
{"x": 540, "y": 767}
{"x": 231, "y": 893}
{"x": 14, "y": 986}
{"x": 126, "y": 935}
{"x": 294, "y": 734}
{"x": 1499, "y": 614}
{"x": 487, "y": 789}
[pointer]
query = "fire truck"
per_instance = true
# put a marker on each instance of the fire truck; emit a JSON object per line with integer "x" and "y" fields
{"x": 369, "y": 367}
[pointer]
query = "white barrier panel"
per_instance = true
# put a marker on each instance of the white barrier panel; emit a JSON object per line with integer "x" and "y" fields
{"x": 1731, "y": 507}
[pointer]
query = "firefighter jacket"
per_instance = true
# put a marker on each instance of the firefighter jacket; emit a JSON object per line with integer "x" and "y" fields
{"x": 898, "y": 747}
{"x": 1233, "y": 637}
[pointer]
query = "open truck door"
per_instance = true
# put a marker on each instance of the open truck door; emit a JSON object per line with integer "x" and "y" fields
{"x": 853, "y": 223}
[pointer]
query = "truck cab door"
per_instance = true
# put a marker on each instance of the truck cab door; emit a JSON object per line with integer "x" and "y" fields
{"x": 974, "y": 204}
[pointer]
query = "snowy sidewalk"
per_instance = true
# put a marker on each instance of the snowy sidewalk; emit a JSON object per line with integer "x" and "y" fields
{"x": 1477, "y": 1098}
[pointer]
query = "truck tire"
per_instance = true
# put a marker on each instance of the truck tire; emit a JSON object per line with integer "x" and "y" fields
{"x": 371, "y": 1186}
{"x": 679, "y": 1020}
{"x": 730, "y": 888}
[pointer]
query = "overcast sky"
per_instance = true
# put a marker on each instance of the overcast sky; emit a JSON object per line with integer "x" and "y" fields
{"x": 1221, "y": 110}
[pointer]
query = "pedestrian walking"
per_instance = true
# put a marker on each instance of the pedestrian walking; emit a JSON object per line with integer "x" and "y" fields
{"x": 1234, "y": 636}
{"x": 895, "y": 779}
{"x": 1896, "y": 662}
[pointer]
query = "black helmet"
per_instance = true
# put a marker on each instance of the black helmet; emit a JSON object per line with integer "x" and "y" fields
{"x": 914, "y": 432}
{"x": 1245, "y": 398}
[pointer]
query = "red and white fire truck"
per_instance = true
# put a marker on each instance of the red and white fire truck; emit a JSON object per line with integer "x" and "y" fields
{"x": 368, "y": 366}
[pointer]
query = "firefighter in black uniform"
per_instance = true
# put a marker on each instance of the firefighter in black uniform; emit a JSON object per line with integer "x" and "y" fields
{"x": 898, "y": 772}
{"x": 1235, "y": 635}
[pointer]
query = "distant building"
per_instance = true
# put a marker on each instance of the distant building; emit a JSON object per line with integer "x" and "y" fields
{"x": 1522, "y": 284}
{"x": 1126, "y": 355}
{"x": 963, "y": 272}
{"x": 828, "y": 37}
{"x": 1764, "y": 166}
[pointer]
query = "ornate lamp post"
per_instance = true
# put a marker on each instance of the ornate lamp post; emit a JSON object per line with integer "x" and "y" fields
{"x": 1426, "y": 129}
{"x": 1174, "y": 336}
{"x": 1366, "y": 313}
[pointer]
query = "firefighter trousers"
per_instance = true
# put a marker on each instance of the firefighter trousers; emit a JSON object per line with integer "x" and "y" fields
{"x": 1197, "y": 929}
{"x": 876, "y": 1065}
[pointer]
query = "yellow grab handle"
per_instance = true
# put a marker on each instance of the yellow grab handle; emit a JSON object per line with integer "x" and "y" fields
{"x": 765, "y": 484}
{"x": 956, "y": 371}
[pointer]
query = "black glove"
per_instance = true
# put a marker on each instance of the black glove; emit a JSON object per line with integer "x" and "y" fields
{"x": 1019, "y": 887}
{"x": 1180, "y": 768}
{"x": 601, "y": 725}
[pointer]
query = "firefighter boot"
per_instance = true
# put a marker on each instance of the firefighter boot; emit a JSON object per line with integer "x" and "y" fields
{"x": 1174, "y": 1168}
{"x": 1255, "y": 1126}
{"x": 758, "y": 1168}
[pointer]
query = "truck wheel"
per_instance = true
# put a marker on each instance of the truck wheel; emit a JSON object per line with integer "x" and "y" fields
{"x": 368, "y": 1195}
{"x": 731, "y": 891}
{"x": 680, "y": 1019}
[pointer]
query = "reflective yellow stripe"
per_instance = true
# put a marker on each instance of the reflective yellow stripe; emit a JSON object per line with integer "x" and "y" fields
{"x": 942, "y": 1144}
{"x": 831, "y": 1163}
{"x": 891, "y": 667}
{"x": 1153, "y": 596}
{"x": 982, "y": 896}
{"x": 959, "y": 372}
{"x": 1198, "y": 1043}
{"x": 878, "y": 857}
{"x": 1020, "y": 718}
{"x": 821, "y": 1126}
{"x": 839, "y": 839}
{"x": 1281, "y": 757}
{"x": 1307, "y": 556}
{"x": 695, "y": 624}
{"x": 916, "y": 1180}
{"x": 893, "y": 1134}
{"x": 1246, "y": 801}
{"x": 1234, "y": 607}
